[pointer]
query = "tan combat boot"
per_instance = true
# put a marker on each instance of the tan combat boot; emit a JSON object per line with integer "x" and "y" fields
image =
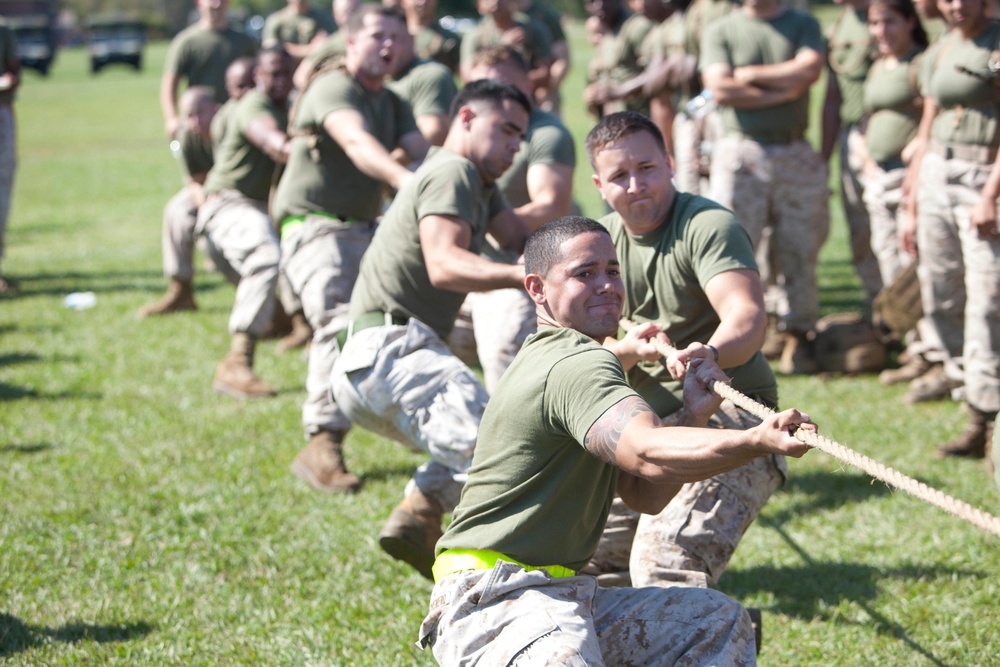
{"x": 797, "y": 358}
{"x": 909, "y": 371}
{"x": 971, "y": 442}
{"x": 321, "y": 464}
{"x": 234, "y": 375}
{"x": 179, "y": 296}
{"x": 300, "y": 335}
{"x": 412, "y": 530}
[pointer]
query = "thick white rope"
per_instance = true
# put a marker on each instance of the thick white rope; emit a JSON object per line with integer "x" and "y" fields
{"x": 959, "y": 508}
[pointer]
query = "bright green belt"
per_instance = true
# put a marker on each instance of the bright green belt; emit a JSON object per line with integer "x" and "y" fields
{"x": 292, "y": 223}
{"x": 451, "y": 561}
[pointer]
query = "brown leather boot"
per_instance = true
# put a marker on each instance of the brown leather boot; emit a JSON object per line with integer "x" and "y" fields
{"x": 179, "y": 296}
{"x": 934, "y": 385}
{"x": 971, "y": 442}
{"x": 321, "y": 464}
{"x": 412, "y": 530}
{"x": 797, "y": 358}
{"x": 300, "y": 335}
{"x": 909, "y": 371}
{"x": 774, "y": 340}
{"x": 234, "y": 375}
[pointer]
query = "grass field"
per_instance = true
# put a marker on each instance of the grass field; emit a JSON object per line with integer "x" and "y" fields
{"x": 147, "y": 520}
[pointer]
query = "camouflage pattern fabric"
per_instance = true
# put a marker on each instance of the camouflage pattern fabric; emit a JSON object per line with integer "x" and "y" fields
{"x": 852, "y": 188}
{"x": 506, "y": 616}
{"x": 960, "y": 276}
{"x": 882, "y": 198}
{"x": 779, "y": 188}
{"x": 404, "y": 383}
{"x": 241, "y": 240}
{"x": 179, "y": 218}
{"x": 321, "y": 262}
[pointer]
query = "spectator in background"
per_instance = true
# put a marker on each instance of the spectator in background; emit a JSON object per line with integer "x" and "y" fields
{"x": 549, "y": 98}
{"x": 10, "y": 78}
{"x": 431, "y": 39}
{"x": 298, "y": 28}
{"x": 200, "y": 54}
{"x": 617, "y": 54}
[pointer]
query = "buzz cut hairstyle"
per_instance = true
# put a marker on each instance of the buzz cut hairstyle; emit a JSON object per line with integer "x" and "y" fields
{"x": 273, "y": 50}
{"x": 616, "y": 126}
{"x": 541, "y": 250}
{"x": 357, "y": 18}
{"x": 492, "y": 92}
{"x": 501, "y": 54}
{"x": 195, "y": 96}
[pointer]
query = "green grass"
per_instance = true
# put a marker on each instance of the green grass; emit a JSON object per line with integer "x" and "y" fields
{"x": 147, "y": 520}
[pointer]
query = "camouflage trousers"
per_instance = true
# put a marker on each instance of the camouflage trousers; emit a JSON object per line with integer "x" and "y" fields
{"x": 180, "y": 216}
{"x": 691, "y": 541}
{"x": 404, "y": 383}
{"x": 960, "y": 276}
{"x": 507, "y": 616}
{"x": 779, "y": 192}
{"x": 852, "y": 189}
{"x": 883, "y": 196}
{"x": 320, "y": 262}
{"x": 491, "y": 327}
{"x": 693, "y": 142}
{"x": 243, "y": 244}
{"x": 8, "y": 165}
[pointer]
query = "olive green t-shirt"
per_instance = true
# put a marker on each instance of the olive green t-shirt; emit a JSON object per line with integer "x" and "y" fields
{"x": 335, "y": 46}
{"x": 435, "y": 42}
{"x": 535, "y": 48}
{"x": 547, "y": 16}
{"x": 239, "y": 165}
{"x": 534, "y": 493}
{"x": 393, "y": 276}
{"x": 698, "y": 16}
{"x": 968, "y": 104}
{"x": 202, "y": 56}
{"x": 8, "y": 55}
{"x": 892, "y": 98}
{"x": 327, "y": 180}
{"x": 665, "y": 273}
{"x": 196, "y": 154}
{"x": 427, "y": 86}
{"x": 288, "y": 27}
{"x": 851, "y": 52}
{"x": 617, "y": 56}
{"x": 220, "y": 121}
{"x": 737, "y": 40}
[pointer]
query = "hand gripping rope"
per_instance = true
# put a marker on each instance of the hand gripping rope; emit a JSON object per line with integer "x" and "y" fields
{"x": 879, "y": 471}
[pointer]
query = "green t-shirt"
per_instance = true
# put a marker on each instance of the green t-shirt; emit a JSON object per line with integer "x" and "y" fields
{"x": 8, "y": 55}
{"x": 335, "y": 46}
{"x": 239, "y": 165}
{"x": 698, "y": 16}
{"x": 220, "y": 121}
{"x": 737, "y": 40}
{"x": 428, "y": 87}
{"x": 617, "y": 55}
{"x": 535, "y": 48}
{"x": 202, "y": 56}
{"x": 969, "y": 105}
{"x": 546, "y": 141}
{"x": 326, "y": 180}
{"x": 393, "y": 276}
{"x": 851, "y": 52}
{"x": 547, "y": 16}
{"x": 892, "y": 98}
{"x": 665, "y": 273}
{"x": 289, "y": 27}
{"x": 196, "y": 154}
{"x": 437, "y": 43}
{"x": 534, "y": 493}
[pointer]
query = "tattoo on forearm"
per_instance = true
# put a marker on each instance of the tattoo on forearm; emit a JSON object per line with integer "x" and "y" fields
{"x": 602, "y": 438}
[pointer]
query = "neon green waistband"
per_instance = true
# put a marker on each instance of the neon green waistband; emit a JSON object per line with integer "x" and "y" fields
{"x": 293, "y": 223}
{"x": 457, "y": 560}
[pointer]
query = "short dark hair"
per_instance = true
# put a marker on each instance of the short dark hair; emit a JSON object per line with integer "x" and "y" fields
{"x": 499, "y": 55}
{"x": 541, "y": 251}
{"x": 491, "y": 91}
{"x": 357, "y": 18}
{"x": 616, "y": 126}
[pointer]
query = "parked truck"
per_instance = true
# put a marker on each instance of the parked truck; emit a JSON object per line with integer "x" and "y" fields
{"x": 34, "y": 23}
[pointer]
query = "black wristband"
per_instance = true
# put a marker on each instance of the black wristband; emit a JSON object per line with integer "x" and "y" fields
{"x": 715, "y": 353}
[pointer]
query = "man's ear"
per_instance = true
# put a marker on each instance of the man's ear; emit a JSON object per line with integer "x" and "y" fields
{"x": 536, "y": 288}
{"x": 465, "y": 115}
{"x": 597, "y": 183}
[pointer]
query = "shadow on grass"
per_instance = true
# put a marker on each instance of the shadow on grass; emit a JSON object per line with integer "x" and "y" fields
{"x": 827, "y": 490}
{"x": 805, "y": 592}
{"x": 60, "y": 284}
{"x": 25, "y": 449}
{"x": 12, "y": 358}
{"x": 17, "y": 636}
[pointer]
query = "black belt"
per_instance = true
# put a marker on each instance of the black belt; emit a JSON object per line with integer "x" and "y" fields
{"x": 375, "y": 318}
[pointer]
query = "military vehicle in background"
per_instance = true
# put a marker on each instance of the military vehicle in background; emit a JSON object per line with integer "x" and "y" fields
{"x": 115, "y": 38}
{"x": 34, "y": 25}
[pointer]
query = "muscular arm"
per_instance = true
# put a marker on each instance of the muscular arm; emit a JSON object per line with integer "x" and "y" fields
{"x": 168, "y": 103}
{"x": 510, "y": 231}
{"x": 550, "y": 187}
{"x": 348, "y": 128}
{"x": 264, "y": 133}
{"x": 730, "y": 91}
{"x": 738, "y": 300}
{"x": 656, "y": 460}
{"x": 445, "y": 242}
{"x": 795, "y": 74}
{"x": 434, "y": 127}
